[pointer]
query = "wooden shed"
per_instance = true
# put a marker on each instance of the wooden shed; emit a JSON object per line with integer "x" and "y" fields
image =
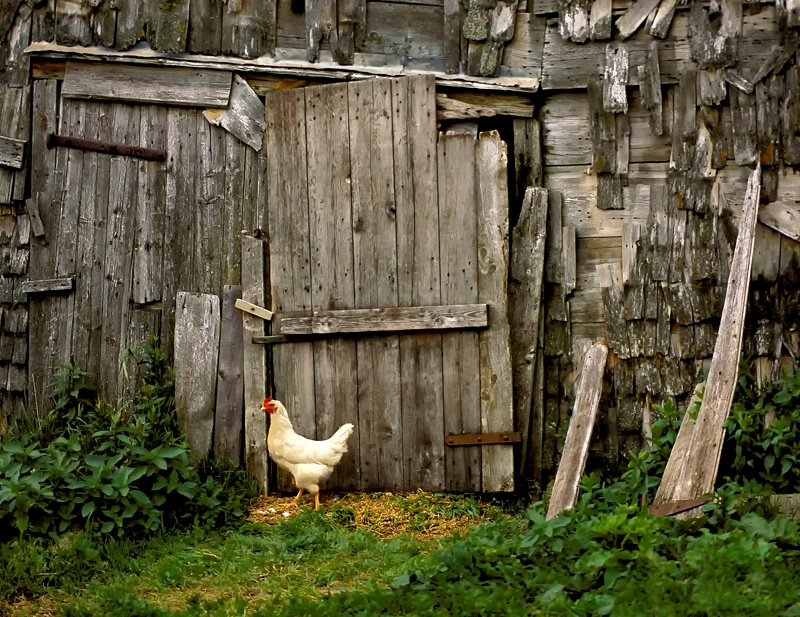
{"x": 443, "y": 204}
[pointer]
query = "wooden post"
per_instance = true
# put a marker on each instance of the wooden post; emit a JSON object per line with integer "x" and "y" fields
{"x": 576, "y": 446}
{"x": 525, "y": 304}
{"x": 497, "y": 414}
{"x": 255, "y": 363}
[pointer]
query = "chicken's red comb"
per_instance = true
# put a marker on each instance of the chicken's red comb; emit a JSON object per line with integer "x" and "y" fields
{"x": 267, "y": 400}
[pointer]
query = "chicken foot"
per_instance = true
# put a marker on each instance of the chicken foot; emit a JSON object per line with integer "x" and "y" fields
{"x": 294, "y": 502}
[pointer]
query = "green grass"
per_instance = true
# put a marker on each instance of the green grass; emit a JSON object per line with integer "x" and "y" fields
{"x": 307, "y": 556}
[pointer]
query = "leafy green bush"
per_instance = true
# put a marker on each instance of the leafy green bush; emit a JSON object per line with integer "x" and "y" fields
{"x": 121, "y": 469}
{"x": 763, "y": 431}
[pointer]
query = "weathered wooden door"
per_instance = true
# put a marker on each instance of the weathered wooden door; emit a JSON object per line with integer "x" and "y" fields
{"x": 379, "y": 226}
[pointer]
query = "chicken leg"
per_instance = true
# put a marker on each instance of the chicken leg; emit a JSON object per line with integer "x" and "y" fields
{"x": 294, "y": 503}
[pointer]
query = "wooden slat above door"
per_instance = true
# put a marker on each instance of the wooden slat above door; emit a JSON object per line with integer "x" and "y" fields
{"x": 147, "y": 84}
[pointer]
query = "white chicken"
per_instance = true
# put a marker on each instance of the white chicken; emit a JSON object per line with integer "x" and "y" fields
{"x": 309, "y": 461}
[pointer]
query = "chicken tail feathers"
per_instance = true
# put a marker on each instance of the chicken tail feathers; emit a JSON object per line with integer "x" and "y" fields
{"x": 341, "y": 436}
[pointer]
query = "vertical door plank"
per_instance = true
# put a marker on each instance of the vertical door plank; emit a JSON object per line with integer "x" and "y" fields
{"x": 255, "y": 362}
{"x": 230, "y": 381}
{"x": 148, "y": 239}
{"x": 208, "y": 208}
{"x": 419, "y": 284}
{"x": 375, "y": 279}
{"x": 233, "y": 204}
{"x": 496, "y": 391}
{"x": 415, "y": 137}
{"x": 458, "y": 237}
{"x": 179, "y": 234}
{"x": 197, "y": 325}
{"x": 90, "y": 247}
{"x": 287, "y": 201}
{"x": 116, "y": 291}
{"x": 45, "y": 118}
{"x": 331, "y": 235}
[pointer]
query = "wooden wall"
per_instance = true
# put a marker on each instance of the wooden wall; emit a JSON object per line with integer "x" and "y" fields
{"x": 651, "y": 115}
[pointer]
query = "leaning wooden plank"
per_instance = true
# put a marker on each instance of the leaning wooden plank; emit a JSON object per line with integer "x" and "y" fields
{"x": 497, "y": 408}
{"x": 255, "y": 363}
{"x": 525, "y": 303}
{"x": 197, "y": 324}
{"x": 634, "y": 17}
{"x": 699, "y": 469}
{"x": 781, "y": 216}
{"x": 669, "y": 479}
{"x": 244, "y": 116}
{"x": 145, "y": 84}
{"x": 228, "y": 416}
{"x": 11, "y": 152}
{"x": 579, "y": 433}
{"x": 394, "y": 319}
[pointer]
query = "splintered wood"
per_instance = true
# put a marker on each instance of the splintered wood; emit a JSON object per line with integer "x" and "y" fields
{"x": 579, "y": 433}
{"x": 699, "y": 464}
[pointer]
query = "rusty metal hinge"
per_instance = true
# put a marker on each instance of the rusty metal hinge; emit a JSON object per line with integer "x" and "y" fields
{"x": 148, "y": 154}
{"x": 482, "y": 439}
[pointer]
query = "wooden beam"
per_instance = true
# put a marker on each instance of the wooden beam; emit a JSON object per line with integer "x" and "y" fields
{"x": 466, "y": 106}
{"x": 782, "y": 217}
{"x": 393, "y": 319}
{"x": 579, "y": 433}
{"x": 699, "y": 469}
{"x": 147, "y": 84}
{"x": 287, "y": 68}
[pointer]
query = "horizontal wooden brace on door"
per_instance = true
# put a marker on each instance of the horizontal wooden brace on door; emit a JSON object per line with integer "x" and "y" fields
{"x": 482, "y": 439}
{"x": 148, "y": 154}
{"x": 394, "y": 319}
